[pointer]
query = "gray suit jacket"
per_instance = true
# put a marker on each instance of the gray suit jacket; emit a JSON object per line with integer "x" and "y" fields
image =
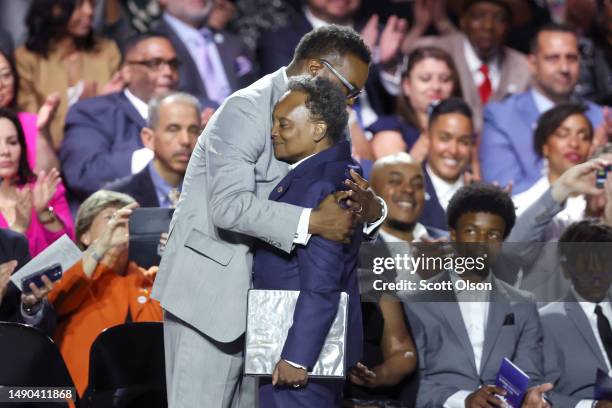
{"x": 532, "y": 246}
{"x": 205, "y": 271}
{"x": 446, "y": 356}
{"x": 571, "y": 353}
{"x": 515, "y": 76}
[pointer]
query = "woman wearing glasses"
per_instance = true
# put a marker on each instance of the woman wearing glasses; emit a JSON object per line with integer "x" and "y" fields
{"x": 62, "y": 55}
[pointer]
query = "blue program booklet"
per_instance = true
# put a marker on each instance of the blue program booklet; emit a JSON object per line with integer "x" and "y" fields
{"x": 514, "y": 381}
{"x": 603, "y": 386}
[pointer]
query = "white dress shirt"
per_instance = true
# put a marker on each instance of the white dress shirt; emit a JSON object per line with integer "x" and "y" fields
{"x": 542, "y": 103}
{"x": 589, "y": 311}
{"x": 444, "y": 189}
{"x": 140, "y": 157}
{"x": 401, "y": 246}
{"x": 474, "y": 307}
{"x": 474, "y": 63}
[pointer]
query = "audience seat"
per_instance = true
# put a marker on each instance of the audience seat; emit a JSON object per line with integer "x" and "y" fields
{"x": 31, "y": 359}
{"x": 127, "y": 367}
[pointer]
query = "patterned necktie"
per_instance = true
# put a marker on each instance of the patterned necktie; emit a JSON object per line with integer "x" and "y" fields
{"x": 173, "y": 196}
{"x": 485, "y": 89}
{"x": 605, "y": 332}
{"x": 215, "y": 82}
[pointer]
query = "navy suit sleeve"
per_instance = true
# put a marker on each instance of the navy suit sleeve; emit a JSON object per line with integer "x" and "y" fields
{"x": 497, "y": 156}
{"x": 321, "y": 266}
{"x": 87, "y": 155}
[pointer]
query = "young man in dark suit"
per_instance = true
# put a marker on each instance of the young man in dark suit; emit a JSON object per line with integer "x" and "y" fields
{"x": 309, "y": 123}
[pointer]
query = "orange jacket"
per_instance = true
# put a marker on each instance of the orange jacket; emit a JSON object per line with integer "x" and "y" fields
{"x": 87, "y": 306}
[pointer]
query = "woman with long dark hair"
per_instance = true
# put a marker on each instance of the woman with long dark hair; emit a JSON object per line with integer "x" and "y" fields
{"x": 29, "y": 204}
{"x": 62, "y": 55}
{"x": 36, "y": 127}
{"x": 429, "y": 75}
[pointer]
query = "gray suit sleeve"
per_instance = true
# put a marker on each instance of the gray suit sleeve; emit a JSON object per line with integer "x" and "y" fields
{"x": 530, "y": 227}
{"x": 235, "y": 143}
{"x": 528, "y": 352}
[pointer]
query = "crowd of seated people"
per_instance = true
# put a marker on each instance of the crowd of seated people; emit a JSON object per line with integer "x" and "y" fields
{"x": 466, "y": 136}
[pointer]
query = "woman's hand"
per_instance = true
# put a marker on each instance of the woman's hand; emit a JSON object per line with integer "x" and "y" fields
{"x": 116, "y": 232}
{"x": 23, "y": 210}
{"x": 44, "y": 189}
{"x": 46, "y": 113}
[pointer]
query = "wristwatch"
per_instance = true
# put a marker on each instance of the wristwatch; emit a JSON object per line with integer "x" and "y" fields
{"x": 33, "y": 309}
{"x": 49, "y": 216}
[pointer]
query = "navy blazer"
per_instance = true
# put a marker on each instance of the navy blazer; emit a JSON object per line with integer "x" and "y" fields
{"x": 237, "y": 63}
{"x": 101, "y": 134}
{"x": 14, "y": 246}
{"x": 320, "y": 270}
{"x": 276, "y": 47}
{"x": 433, "y": 215}
{"x": 507, "y": 152}
{"x": 139, "y": 186}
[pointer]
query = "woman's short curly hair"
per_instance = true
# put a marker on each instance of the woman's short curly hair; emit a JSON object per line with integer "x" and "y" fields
{"x": 325, "y": 102}
{"x": 480, "y": 197}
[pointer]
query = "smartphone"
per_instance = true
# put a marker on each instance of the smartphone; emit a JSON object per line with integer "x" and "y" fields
{"x": 601, "y": 175}
{"x": 53, "y": 272}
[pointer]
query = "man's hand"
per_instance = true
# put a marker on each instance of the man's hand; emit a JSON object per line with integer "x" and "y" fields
{"x": 579, "y": 179}
{"x": 485, "y": 398}
{"x": 38, "y": 294}
{"x": 287, "y": 375}
{"x": 361, "y": 375}
{"x": 363, "y": 201}
{"x": 535, "y": 396}
{"x": 331, "y": 221}
{"x": 6, "y": 269}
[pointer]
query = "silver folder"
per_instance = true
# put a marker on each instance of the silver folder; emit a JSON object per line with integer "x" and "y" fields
{"x": 269, "y": 318}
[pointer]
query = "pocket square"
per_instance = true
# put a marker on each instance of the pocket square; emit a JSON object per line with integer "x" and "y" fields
{"x": 509, "y": 320}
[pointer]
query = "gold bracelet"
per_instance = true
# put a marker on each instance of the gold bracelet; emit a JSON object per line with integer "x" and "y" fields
{"x": 51, "y": 218}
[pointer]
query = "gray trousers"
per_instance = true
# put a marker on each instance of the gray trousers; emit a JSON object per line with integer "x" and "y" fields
{"x": 201, "y": 372}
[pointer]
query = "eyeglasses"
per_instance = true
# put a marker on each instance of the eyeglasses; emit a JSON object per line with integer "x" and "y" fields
{"x": 353, "y": 91}
{"x": 156, "y": 64}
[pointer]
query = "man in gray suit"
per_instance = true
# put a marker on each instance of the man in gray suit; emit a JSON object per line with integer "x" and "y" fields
{"x": 462, "y": 335}
{"x": 205, "y": 272}
{"x": 577, "y": 333}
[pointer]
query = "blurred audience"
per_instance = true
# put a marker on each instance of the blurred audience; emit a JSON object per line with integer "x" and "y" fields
{"x": 563, "y": 137}
{"x": 213, "y": 63}
{"x": 488, "y": 71}
{"x": 62, "y": 55}
{"x": 102, "y": 142}
{"x": 33, "y": 308}
{"x": 172, "y": 131}
{"x": 30, "y": 204}
{"x": 451, "y": 138}
{"x": 103, "y": 289}
{"x": 39, "y": 143}
{"x": 429, "y": 76}
{"x": 6, "y": 43}
{"x": 506, "y": 148}
{"x": 577, "y": 329}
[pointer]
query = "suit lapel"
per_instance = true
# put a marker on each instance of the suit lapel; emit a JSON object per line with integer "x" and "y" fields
{"x": 577, "y": 316}
{"x": 498, "y": 309}
{"x": 453, "y": 317}
{"x": 130, "y": 110}
{"x": 433, "y": 214}
{"x": 468, "y": 87}
{"x": 147, "y": 187}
